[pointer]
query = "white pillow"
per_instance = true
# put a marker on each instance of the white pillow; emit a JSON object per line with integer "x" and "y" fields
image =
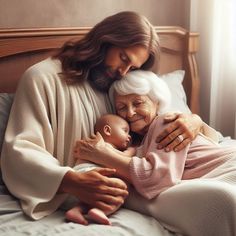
{"x": 179, "y": 100}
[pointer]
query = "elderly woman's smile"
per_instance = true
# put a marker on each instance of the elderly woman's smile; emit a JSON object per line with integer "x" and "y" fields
{"x": 138, "y": 110}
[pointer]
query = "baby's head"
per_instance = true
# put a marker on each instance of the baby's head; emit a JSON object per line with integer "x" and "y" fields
{"x": 114, "y": 130}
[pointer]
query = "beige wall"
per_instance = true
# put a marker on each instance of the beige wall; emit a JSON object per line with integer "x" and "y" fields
{"x": 54, "y": 13}
{"x": 200, "y": 24}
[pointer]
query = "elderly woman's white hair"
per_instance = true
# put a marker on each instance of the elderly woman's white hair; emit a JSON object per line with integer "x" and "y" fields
{"x": 143, "y": 83}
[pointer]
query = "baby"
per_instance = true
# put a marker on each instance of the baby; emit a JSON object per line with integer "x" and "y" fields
{"x": 115, "y": 131}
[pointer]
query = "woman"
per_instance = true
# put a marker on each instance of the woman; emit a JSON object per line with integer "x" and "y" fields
{"x": 206, "y": 199}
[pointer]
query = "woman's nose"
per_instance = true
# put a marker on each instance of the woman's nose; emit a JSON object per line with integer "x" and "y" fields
{"x": 130, "y": 112}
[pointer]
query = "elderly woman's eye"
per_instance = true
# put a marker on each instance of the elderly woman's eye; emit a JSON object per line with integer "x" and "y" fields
{"x": 120, "y": 108}
{"x": 138, "y": 103}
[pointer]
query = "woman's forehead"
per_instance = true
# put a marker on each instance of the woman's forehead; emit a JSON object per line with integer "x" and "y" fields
{"x": 128, "y": 97}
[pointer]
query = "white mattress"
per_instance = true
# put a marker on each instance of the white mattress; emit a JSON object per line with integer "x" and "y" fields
{"x": 124, "y": 223}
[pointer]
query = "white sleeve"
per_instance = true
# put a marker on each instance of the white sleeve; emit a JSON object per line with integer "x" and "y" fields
{"x": 29, "y": 165}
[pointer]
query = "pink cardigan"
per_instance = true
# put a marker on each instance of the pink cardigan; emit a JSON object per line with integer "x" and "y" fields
{"x": 153, "y": 171}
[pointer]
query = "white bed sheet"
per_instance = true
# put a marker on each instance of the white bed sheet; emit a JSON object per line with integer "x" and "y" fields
{"x": 124, "y": 223}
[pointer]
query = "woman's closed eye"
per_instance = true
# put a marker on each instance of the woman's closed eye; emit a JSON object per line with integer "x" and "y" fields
{"x": 138, "y": 103}
{"x": 120, "y": 108}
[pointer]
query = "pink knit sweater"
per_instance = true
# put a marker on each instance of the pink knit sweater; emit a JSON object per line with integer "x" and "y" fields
{"x": 158, "y": 170}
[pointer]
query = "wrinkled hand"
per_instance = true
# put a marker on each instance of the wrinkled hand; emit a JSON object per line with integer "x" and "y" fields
{"x": 96, "y": 187}
{"x": 181, "y": 130}
{"x": 90, "y": 149}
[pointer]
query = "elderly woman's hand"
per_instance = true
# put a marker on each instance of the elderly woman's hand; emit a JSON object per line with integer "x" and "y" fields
{"x": 181, "y": 130}
{"x": 90, "y": 149}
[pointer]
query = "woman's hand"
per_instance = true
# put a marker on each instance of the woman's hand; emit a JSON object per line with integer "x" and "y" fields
{"x": 181, "y": 130}
{"x": 96, "y": 187}
{"x": 90, "y": 149}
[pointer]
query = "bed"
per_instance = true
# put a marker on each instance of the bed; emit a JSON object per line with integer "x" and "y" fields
{"x": 21, "y": 48}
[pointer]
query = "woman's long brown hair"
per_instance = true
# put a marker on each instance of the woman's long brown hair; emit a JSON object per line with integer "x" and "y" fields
{"x": 124, "y": 29}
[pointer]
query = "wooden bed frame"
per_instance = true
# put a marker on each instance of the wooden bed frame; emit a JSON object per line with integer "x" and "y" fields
{"x": 20, "y": 48}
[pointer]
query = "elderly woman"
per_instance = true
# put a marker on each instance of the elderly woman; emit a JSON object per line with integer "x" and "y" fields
{"x": 202, "y": 206}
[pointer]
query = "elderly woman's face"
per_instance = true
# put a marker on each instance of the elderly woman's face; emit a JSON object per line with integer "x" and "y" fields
{"x": 138, "y": 110}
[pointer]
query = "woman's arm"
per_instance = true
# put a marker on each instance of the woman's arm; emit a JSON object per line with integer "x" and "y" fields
{"x": 186, "y": 125}
{"x": 210, "y": 132}
{"x": 130, "y": 151}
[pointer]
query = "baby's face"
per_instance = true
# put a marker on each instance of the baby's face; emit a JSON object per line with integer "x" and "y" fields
{"x": 120, "y": 134}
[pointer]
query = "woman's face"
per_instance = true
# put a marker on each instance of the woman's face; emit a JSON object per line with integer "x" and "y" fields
{"x": 138, "y": 110}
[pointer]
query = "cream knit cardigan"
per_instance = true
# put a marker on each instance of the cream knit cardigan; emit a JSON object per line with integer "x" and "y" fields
{"x": 46, "y": 119}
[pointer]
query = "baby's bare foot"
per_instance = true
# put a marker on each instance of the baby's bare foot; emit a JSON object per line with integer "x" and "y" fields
{"x": 75, "y": 215}
{"x": 98, "y": 216}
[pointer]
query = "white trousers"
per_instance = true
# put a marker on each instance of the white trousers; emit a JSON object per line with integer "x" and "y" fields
{"x": 198, "y": 207}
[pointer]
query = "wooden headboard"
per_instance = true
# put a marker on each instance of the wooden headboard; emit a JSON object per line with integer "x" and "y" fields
{"x": 20, "y": 48}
